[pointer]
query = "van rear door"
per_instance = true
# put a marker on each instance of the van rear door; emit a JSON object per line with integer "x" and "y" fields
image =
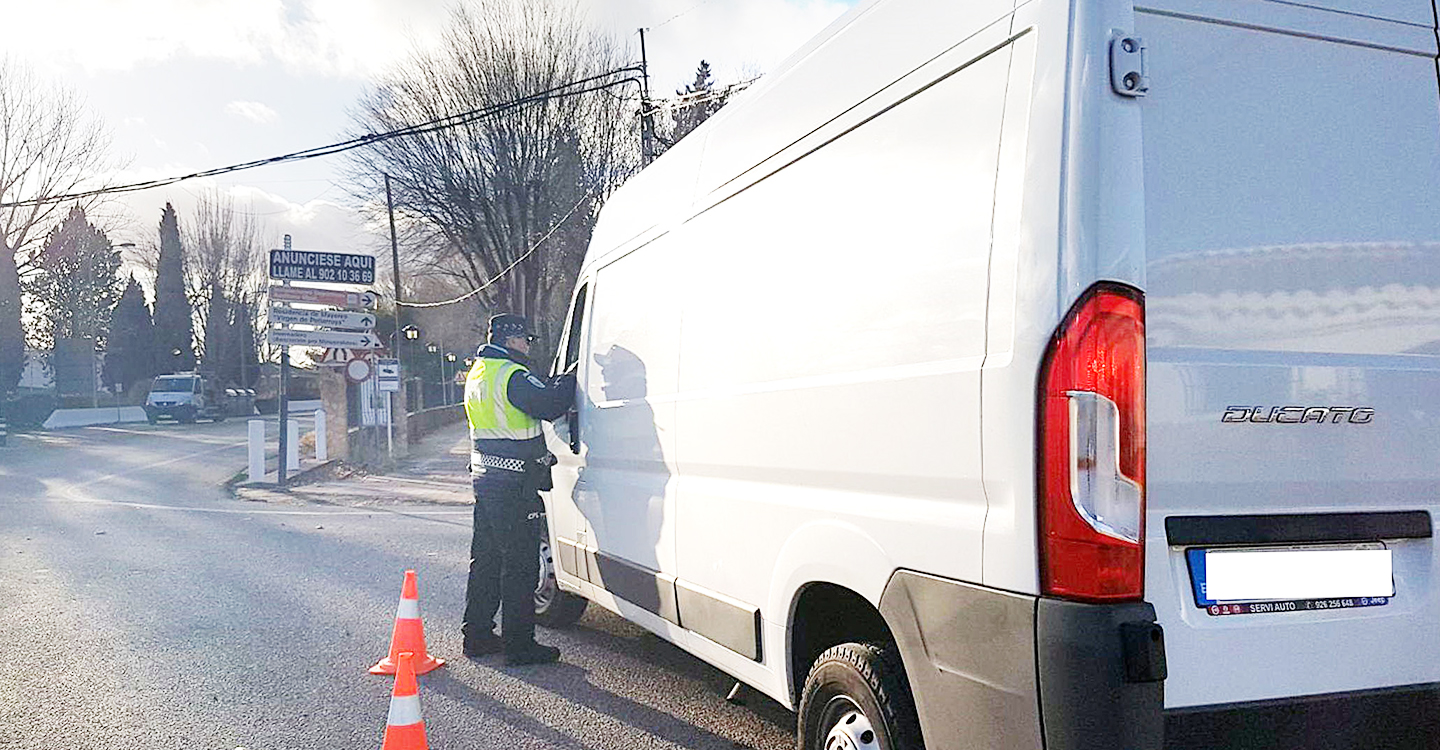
{"x": 1292, "y": 211}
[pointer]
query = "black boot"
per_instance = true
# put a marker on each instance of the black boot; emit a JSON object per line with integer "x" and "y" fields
{"x": 482, "y": 645}
{"x": 531, "y": 653}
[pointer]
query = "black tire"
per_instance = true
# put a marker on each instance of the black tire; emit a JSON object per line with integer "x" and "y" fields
{"x": 554, "y": 608}
{"x": 858, "y": 691}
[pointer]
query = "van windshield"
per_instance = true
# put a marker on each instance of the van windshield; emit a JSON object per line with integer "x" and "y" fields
{"x": 173, "y": 385}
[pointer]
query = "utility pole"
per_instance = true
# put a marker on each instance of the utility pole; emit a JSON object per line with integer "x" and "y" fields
{"x": 647, "y": 114}
{"x": 284, "y": 400}
{"x": 395, "y": 337}
{"x": 394, "y": 258}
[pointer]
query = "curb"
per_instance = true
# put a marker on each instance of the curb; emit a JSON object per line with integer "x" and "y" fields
{"x": 317, "y": 473}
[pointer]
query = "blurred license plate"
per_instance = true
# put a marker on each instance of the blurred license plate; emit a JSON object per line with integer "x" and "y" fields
{"x": 1290, "y": 579}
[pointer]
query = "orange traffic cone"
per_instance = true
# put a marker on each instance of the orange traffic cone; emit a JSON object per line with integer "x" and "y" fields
{"x": 409, "y": 633}
{"x": 404, "y": 728}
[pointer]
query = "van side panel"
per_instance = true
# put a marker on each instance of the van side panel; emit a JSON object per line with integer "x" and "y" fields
{"x": 1292, "y": 179}
{"x": 879, "y": 43}
{"x": 831, "y": 341}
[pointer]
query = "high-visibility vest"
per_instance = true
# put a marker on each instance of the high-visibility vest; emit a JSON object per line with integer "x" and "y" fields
{"x": 487, "y": 403}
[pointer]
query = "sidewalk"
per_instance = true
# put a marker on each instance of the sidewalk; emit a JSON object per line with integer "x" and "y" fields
{"x": 436, "y": 471}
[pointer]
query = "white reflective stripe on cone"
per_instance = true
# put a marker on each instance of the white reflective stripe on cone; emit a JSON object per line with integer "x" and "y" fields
{"x": 404, "y": 711}
{"x": 409, "y": 609}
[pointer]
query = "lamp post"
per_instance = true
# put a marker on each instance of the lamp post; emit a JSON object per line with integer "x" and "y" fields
{"x": 433, "y": 349}
{"x": 409, "y": 333}
{"x": 99, "y": 369}
{"x": 449, "y": 385}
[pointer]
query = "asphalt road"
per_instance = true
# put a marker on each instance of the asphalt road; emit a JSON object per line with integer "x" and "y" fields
{"x": 141, "y": 607}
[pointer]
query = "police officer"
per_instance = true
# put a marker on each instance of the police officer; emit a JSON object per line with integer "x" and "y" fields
{"x": 509, "y": 464}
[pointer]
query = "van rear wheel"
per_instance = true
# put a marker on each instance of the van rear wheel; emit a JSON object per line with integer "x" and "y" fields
{"x": 857, "y": 698}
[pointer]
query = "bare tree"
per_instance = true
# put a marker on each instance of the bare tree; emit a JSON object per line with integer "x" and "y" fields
{"x": 50, "y": 144}
{"x": 225, "y": 279}
{"x": 475, "y": 198}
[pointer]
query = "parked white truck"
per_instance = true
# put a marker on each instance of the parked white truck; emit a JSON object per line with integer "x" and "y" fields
{"x": 1048, "y": 374}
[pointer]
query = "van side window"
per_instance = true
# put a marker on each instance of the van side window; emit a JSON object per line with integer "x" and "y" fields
{"x": 577, "y": 321}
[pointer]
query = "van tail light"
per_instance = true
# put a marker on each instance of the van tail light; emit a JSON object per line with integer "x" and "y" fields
{"x": 1092, "y": 450}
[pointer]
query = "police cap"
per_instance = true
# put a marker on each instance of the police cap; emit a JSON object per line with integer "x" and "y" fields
{"x": 507, "y": 325}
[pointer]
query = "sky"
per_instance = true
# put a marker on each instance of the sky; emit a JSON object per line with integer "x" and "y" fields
{"x": 186, "y": 85}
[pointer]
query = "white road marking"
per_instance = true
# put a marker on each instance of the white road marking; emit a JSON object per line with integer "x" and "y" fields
{"x": 260, "y": 512}
{"x": 71, "y": 493}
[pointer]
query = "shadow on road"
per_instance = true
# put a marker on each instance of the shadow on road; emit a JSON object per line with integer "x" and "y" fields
{"x": 441, "y": 682}
{"x": 573, "y": 684}
{"x": 606, "y": 630}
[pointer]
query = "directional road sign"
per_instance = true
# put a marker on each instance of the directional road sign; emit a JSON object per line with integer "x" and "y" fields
{"x": 332, "y": 268}
{"x": 335, "y": 339}
{"x": 327, "y": 318}
{"x": 330, "y": 297}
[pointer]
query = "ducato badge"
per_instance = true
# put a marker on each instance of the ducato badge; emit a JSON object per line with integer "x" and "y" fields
{"x": 1299, "y": 414}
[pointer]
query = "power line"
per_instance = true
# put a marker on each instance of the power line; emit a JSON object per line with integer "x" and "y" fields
{"x": 443, "y": 123}
{"x": 681, "y": 13}
{"x": 702, "y": 96}
{"x": 506, "y": 269}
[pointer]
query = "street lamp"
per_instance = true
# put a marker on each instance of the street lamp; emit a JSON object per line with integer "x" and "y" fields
{"x": 449, "y": 386}
{"x": 411, "y": 333}
{"x": 444, "y": 391}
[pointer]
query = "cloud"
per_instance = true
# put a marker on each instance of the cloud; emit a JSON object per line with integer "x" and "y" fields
{"x": 316, "y": 224}
{"x": 347, "y": 38}
{"x": 358, "y": 39}
{"x": 253, "y": 111}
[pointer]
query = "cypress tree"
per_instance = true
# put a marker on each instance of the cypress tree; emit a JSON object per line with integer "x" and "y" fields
{"x": 173, "y": 315}
{"x": 129, "y": 358}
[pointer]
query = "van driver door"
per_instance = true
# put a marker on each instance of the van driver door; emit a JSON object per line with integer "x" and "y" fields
{"x": 567, "y": 526}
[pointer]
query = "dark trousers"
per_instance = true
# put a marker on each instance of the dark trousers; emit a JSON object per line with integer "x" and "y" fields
{"x": 504, "y": 558}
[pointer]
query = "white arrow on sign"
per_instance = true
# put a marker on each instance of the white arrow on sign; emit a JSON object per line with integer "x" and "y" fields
{"x": 326, "y": 318}
{"x": 331, "y": 297}
{"x": 334, "y": 339}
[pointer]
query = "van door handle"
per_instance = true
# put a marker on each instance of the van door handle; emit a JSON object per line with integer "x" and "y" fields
{"x": 573, "y": 417}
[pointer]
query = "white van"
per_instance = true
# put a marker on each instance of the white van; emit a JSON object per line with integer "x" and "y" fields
{"x": 1051, "y": 374}
{"x": 184, "y": 397}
